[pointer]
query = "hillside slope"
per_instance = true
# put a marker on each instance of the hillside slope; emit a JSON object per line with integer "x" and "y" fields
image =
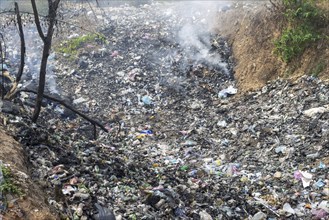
{"x": 252, "y": 30}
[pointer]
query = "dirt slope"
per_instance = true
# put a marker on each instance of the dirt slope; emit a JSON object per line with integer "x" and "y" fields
{"x": 251, "y": 30}
{"x": 31, "y": 205}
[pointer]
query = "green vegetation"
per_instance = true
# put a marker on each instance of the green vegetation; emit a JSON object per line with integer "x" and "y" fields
{"x": 303, "y": 11}
{"x": 304, "y": 22}
{"x": 318, "y": 68}
{"x": 293, "y": 42}
{"x": 8, "y": 185}
{"x": 71, "y": 46}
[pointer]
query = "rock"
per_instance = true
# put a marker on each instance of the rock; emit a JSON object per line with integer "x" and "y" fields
{"x": 313, "y": 156}
{"x": 280, "y": 149}
{"x": 147, "y": 100}
{"x": 160, "y": 203}
{"x": 325, "y": 191}
{"x": 104, "y": 213}
{"x": 189, "y": 143}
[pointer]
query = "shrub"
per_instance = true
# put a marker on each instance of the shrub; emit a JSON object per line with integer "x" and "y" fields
{"x": 303, "y": 11}
{"x": 293, "y": 42}
{"x": 8, "y": 185}
{"x": 304, "y": 21}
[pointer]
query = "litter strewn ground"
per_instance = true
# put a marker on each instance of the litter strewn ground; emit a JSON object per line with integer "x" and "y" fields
{"x": 180, "y": 144}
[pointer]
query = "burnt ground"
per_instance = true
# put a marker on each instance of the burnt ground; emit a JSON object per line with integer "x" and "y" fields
{"x": 176, "y": 149}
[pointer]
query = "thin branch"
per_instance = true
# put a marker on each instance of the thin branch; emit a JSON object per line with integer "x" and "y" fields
{"x": 91, "y": 8}
{"x": 92, "y": 121}
{"x": 37, "y": 21}
{"x": 11, "y": 93}
{"x": 57, "y": 20}
{"x": 21, "y": 35}
{"x": 97, "y": 3}
{"x": 10, "y": 11}
{"x": 2, "y": 76}
{"x": 2, "y": 70}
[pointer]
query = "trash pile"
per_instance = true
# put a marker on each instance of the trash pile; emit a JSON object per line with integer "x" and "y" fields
{"x": 180, "y": 144}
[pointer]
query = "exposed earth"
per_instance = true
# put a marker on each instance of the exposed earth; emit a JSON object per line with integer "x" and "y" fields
{"x": 178, "y": 146}
{"x": 251, "y": 36}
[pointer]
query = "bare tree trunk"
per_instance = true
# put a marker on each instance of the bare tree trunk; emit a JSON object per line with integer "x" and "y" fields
{"x": 2, "y": 70}
{"x": 47, "y": 41}
{"x": 21, "y": 35}
{"x": 21, "y": 67}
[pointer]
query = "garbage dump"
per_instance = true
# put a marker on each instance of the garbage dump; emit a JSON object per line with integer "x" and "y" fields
{"x": 180, "y": 143}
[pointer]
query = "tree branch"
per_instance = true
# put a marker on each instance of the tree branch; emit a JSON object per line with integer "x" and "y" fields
{"x": 91, "y": 8}
{"x": 92, "y": 121}
{"x": 21, "y": 67}
{"x": 57, "y": 20}
{"x": 21, "y": 35}
{"x": 2, "y": 70}
{"x": 37, "y": 21}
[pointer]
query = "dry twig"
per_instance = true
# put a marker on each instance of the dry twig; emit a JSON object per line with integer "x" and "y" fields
{"x": 92, "y": 121}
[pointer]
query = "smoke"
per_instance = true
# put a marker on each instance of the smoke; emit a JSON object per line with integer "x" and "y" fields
{"x": 194, "y": 29}
{"x": 197, "y": 46}
{"x": 198, "y": 30}
{"x": 186, "y": 38}
{"x": 34, "y": 46}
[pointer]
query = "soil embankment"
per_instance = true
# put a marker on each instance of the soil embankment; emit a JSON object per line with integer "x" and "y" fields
{"x": 31, "y": 204}
{"x": 252, "y": 30}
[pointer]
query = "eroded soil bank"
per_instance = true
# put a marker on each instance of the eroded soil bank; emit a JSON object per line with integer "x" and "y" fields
{"x": 31, "y": 204}
{"x": 252, "y": 30}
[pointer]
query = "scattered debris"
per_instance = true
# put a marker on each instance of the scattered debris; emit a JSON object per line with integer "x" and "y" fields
{"x": 176, "y": 148}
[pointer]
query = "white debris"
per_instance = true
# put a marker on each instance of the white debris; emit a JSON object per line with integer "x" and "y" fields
{"x": 319, "y": 110}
